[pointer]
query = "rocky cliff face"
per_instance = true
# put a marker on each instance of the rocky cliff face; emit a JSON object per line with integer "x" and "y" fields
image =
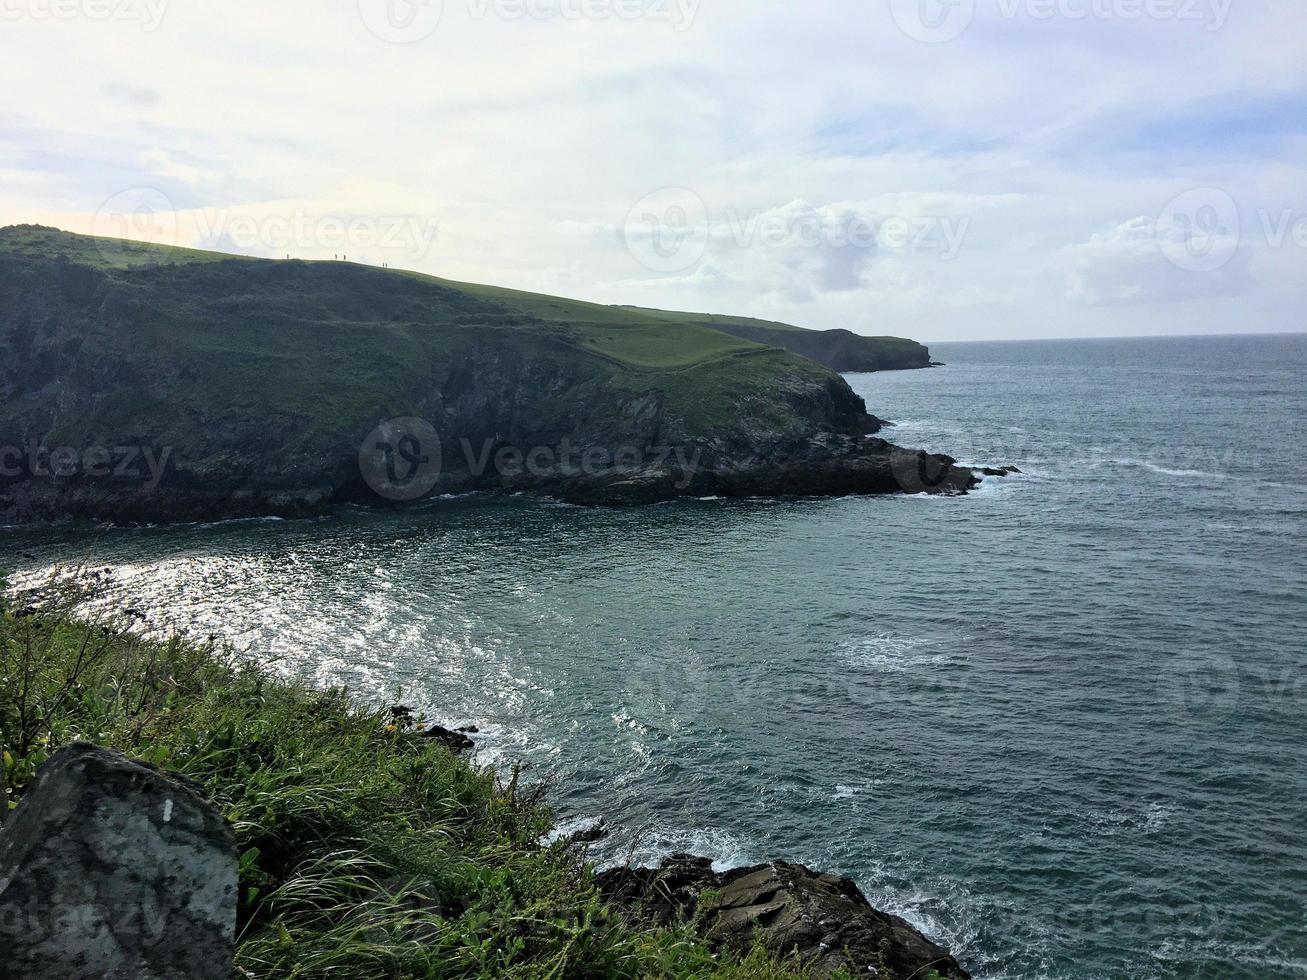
{"x": 237, "y": 388}
{"x": 823, "y": 919}
{"x": 111, "y": 868}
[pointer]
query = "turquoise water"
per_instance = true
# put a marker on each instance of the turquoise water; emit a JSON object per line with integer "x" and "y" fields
{"x": 1059, "y": 724}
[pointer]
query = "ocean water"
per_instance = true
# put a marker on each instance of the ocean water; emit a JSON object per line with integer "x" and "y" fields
{"x": 1060, "y": 724}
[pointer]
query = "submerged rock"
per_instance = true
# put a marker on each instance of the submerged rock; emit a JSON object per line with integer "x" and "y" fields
{"x": 822, "y": 918}
{"x": 111, "y": 868}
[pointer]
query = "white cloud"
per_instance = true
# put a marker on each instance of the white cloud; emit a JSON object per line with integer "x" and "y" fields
{"x": 528, "y": 141}
{"x": 1144, "y": 261}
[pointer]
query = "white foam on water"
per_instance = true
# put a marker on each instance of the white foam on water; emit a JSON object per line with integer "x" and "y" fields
{"x": 916, "y": 906}
{"x": 1247, "y": 954}
{"x": 1168, "y": 471}
{"x": 894, "y": 653}
{"x": 650, "y": 848}
{"x": 991, "y": 486}
{"x": 569, "y": 826}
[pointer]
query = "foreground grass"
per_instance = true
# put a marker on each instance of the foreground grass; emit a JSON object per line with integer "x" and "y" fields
{"x": 365, "y": 850}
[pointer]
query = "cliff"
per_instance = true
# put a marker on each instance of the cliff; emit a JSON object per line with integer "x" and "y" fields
{"x": 156, "y": 384}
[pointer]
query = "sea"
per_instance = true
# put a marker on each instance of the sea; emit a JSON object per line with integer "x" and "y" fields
{"x": 1059, "y": 724}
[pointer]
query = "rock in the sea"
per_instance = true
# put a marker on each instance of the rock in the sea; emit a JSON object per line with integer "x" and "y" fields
{"x": 114, "y": 869}
{"x": 454, "y": 741}
{"x": 787, "y": 908}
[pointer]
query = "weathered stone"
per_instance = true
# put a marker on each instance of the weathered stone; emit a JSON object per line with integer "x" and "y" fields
{"x": 110, "y": 868}
{"x": 454, "y": 741}
{"x": 787, "y": 908}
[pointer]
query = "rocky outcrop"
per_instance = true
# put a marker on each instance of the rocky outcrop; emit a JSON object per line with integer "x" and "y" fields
{"x": 830, "y": 467}
{"x": 823, "y": 919}
{"x": 455, "y": 741}
{"x": 111, "y": 868}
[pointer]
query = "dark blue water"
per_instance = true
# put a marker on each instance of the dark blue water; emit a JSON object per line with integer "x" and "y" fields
{"x": 1059, "y": 724}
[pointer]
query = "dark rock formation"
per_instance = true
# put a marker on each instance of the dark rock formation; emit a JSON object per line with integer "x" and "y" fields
{"x": 454, "y": 741}
{"x": 592, "y": 834}
{"x": 788, "y": 908}
{"x": 111, "y": 868}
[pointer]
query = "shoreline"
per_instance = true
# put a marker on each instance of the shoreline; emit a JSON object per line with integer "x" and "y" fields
{"x": 896, "y": 472}
{"x": 745, "y": 922}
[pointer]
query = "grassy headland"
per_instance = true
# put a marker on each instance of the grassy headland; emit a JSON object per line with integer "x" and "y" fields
{"x": 263, "y": 381}
{"x": 329, "y": 341}
{"x": 839, "y": 350}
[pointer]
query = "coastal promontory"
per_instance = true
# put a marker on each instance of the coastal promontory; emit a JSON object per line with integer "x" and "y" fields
{"x": 150, "y": 383}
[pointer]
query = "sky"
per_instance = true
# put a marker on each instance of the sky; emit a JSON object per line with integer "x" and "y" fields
{"x": 937, "y": 169}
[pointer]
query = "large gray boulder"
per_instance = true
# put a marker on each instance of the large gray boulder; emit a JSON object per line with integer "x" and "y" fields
{"x": 110, "y": 868}
{"x": 787, "y": 908}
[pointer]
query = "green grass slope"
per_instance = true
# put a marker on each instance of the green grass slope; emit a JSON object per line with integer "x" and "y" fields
{"x": 635, "y": 338}
{"x": 363, "y": 329}
{"x": 839, "y": 350}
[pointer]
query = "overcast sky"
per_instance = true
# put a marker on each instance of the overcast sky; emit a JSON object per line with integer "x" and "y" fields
{"x": 940, "y": 169}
